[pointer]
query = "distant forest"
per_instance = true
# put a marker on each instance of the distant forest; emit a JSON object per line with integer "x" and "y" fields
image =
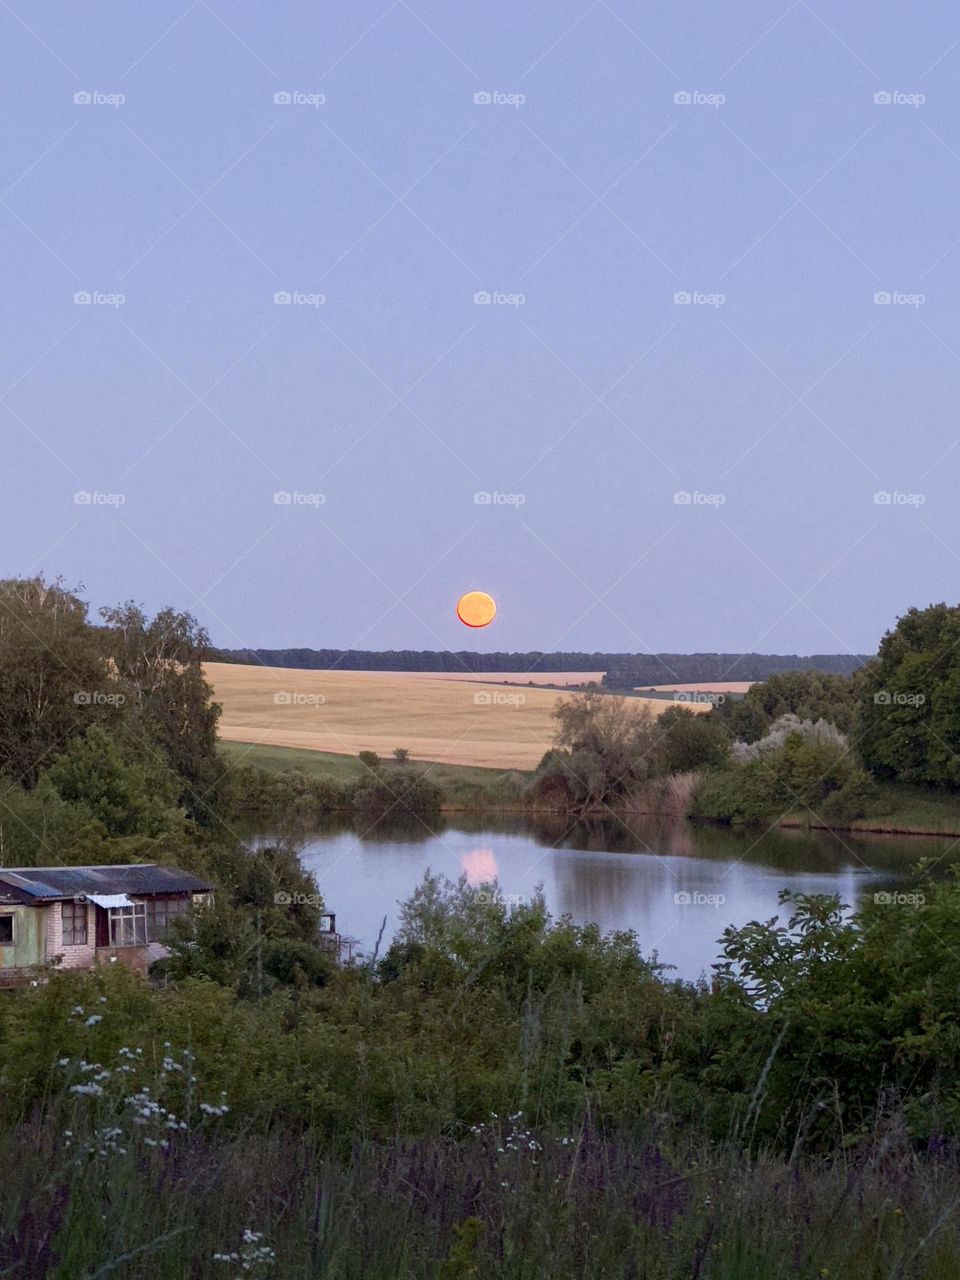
{"x": 623, "y": 670}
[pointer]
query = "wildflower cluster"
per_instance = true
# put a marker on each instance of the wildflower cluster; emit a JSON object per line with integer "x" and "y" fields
{"x": 151, "y": 1111}
{"x": 252, "y": 1257}
{"x": 517, "y": 1138}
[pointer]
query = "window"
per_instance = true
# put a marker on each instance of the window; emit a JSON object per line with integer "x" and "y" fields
{"x": 74, "y": 918}
{"x": 128, "y": 926}
{"x": 7, "y": 931}
{"x": 160, "y": 911}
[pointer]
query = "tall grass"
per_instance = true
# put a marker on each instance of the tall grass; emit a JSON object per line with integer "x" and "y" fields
{"x": 501, "y": 1201}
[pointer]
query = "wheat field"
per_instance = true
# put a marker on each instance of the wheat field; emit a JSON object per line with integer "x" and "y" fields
{"x": 435, "y": 718}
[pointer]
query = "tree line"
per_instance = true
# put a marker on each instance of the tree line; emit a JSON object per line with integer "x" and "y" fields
{"x": 621, "y": 670}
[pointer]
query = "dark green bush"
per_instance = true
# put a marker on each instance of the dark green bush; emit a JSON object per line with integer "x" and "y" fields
{"x": 397, "y": 792}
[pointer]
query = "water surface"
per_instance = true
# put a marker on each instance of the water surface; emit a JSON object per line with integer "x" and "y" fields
{"x": 676, "y": 885}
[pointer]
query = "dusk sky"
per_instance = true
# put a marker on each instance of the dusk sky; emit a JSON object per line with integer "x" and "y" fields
{"x": 712, "y": 398}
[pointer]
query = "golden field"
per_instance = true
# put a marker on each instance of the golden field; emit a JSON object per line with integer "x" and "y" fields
{"x": 437, "y": 719}
{"x": 564, "y": 678}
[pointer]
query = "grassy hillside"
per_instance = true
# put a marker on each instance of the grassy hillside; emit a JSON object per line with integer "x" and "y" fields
{"x": 342, "y": 768}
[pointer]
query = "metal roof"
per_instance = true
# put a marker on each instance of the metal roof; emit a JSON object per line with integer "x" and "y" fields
{"x": 138, "y": 878}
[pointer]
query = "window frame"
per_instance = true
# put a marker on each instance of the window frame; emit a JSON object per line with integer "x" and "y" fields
{"x": 134, "y": 915}
{"x": 12, "y": 917}
{"x": 78, "y": 911}
{"x": 161, "y": 910}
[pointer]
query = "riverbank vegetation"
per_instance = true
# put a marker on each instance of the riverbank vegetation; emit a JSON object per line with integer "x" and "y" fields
{"x": 875, "y": 750}
{"x": 499, "y": 1093}
{"x": 502, "y": 1094}
{"x": 879, "y": 749}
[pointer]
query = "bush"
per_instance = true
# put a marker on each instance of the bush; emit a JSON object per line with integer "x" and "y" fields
{"x": 370, "y": 759}
{"x": 691, "y": 740}
{"x": 859, "y": 797}
{"x": 290, "y": 791}
{"x": 399, "y": 792}
{"x": 812, "y": 774}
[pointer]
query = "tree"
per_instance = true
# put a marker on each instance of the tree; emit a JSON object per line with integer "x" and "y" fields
{"x": 127, "y": 796}
{"x": 54, "y": 680}
{"x": 910, "y": 700}
{"x": 401, "y": 755}
{"x": 605, "y": 746}
{"x": 691, "y": 740}
{"x": 160, "y": 663}
{"x": 810, "y": 695}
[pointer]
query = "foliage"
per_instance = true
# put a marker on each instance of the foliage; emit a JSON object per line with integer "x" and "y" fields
{"x": 283, "y": 792}
{"x": 784, "y": 727}
{"x": 159, "y": 662}
{"x": 399, "y": 792}
{"x": 555, "y": 1100}
{"x": 370, "y": 759}
{"x": 808, "y": 770}
{"x": 690, "y": 740}
{"x": 806, "y": 695}
{"x": 605, "y": 747}
{"x": 622, "y": 670}
{"x": 910, "y": 706}
{"x": 126, "y": 796}
{"x": 54, "y": 680}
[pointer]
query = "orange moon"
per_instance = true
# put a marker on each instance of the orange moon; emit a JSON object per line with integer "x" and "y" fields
{"x": 476, "y": 609}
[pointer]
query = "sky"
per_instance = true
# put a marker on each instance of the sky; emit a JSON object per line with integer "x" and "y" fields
{"x": 642, "y": 318}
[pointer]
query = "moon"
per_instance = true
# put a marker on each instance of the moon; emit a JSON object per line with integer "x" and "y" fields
{"x": 476, "y": 609}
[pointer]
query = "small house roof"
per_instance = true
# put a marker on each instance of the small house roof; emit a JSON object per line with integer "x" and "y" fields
{"x": 51, "y": 884}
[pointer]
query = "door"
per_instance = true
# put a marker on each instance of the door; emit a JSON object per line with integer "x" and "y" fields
{"x": 102, "y": 929}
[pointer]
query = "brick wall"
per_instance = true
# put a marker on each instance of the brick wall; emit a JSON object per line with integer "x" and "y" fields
{"x": 73, "y": 957}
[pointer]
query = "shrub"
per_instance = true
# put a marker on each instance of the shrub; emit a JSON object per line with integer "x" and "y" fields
{"x": 691, "y": 740}
{"x": 400, "y": 791}
{"x": 285, "y": 791}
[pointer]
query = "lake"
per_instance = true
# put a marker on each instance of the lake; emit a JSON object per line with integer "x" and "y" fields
{"x": 676, "y": 885}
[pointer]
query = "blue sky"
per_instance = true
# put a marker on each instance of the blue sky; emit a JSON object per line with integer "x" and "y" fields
{"x": 721, "y": 243}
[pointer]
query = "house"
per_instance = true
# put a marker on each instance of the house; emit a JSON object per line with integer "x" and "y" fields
{"x": 77, "y": 917}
